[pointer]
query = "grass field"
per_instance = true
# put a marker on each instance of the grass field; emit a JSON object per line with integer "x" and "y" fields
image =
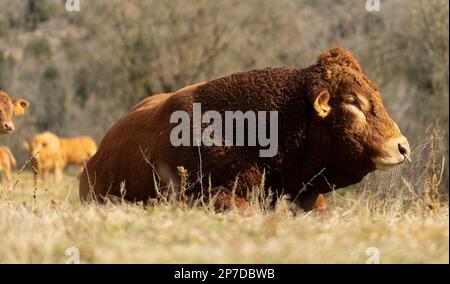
{"x": 42, "y": 229}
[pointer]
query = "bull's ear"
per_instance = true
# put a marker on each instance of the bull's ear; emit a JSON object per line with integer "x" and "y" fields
{"x": 319, "y": 98}
{"x": 20, "y": 106}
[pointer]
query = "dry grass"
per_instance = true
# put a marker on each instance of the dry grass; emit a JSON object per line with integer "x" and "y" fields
{"x": 41, "y": 230}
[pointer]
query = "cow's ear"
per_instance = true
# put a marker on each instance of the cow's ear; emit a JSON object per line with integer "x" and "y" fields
{"x": 319, "y": 98}
{"x": 20, "y": 106}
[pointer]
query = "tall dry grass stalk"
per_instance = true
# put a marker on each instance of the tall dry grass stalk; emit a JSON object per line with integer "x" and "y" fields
{"x": 434, "y": 171}
{"x": 7, "y": 192}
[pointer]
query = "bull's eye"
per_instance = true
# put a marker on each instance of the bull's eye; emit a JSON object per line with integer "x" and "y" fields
{"x": 44, "y": 145}
{"x": 353, "y": 106}
{"x": 352, "y": 101}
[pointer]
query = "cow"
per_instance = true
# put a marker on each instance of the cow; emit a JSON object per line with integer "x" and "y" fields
{"x": 8, "y": 108}
{"x": 50, "y": 153}
{"x": 332, "y": 126}
{"x": 7, "y": 161}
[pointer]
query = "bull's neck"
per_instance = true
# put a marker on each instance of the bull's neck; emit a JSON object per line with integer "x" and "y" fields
{"x": 294, "y": 116}
{"x": 304, "y": 146}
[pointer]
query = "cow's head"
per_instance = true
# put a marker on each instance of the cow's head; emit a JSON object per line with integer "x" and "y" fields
{"x": 350, "y": 107}
{"x": 9, "y": 108}
{"x": 43, "y": 148}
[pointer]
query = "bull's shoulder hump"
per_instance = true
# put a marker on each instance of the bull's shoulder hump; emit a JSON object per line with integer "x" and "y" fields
{"x": 264, "y": 72}
{"x": 259, "y": 78}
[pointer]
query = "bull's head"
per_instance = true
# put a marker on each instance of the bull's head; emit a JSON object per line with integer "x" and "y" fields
{"x": 9, "y": 108}
{"x": 350, "y": 107}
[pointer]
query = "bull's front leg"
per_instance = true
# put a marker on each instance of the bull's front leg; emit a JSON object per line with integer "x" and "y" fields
{"x": 307, "y": 197}
{"x": 223, "y": 199}
{"x": 312, "y": 200}
{"x": 233, "y": 195}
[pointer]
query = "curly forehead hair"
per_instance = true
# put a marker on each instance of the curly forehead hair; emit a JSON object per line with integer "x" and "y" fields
{"x": 337, "y": 62}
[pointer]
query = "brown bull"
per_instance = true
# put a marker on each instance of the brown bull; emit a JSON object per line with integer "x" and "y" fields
{"x": 51, "y": 153}
{"x": 9, "y": 108}
{"x": 331, "y": 121}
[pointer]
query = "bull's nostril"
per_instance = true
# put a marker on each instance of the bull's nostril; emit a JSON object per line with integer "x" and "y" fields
{"x": 402, "y": 149}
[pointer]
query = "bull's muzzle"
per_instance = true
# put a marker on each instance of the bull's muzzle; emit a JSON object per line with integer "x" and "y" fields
{"x": 395, "y": 151}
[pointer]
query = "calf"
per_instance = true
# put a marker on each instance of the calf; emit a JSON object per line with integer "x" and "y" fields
{"x": 50, "y": 153}
{"x": 9, "y": 108}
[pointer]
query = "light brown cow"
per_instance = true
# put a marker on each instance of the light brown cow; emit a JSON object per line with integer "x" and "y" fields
{"x": 7, "y": 161}
{"x": 9, "y": 108}
{"x": 51, "y": 153}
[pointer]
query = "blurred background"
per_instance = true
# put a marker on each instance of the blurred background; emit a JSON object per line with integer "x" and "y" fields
{"x": 81, "y": 71}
